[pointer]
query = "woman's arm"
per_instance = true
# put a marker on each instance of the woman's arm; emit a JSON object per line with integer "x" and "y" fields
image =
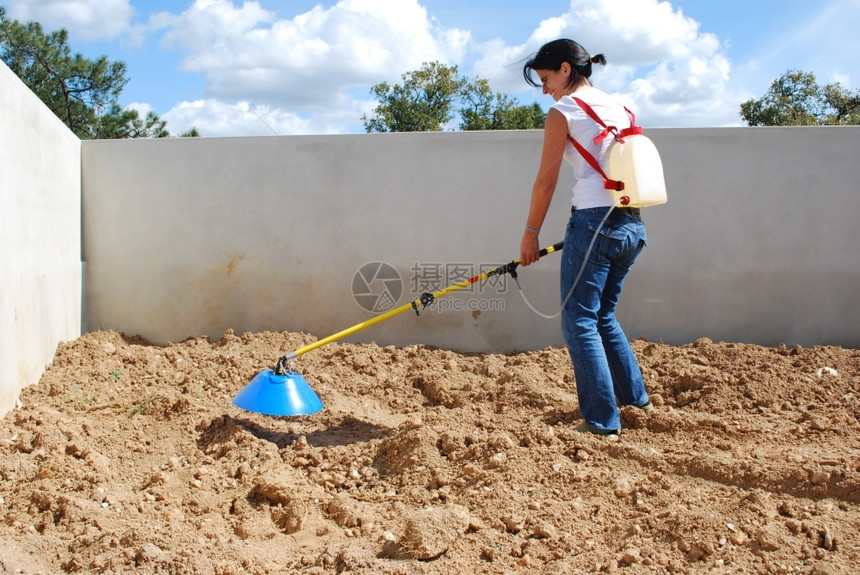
{"x": 554, "y": 140}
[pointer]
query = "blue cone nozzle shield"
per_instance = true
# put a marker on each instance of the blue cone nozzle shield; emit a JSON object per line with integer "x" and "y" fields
{"x": 272, "y": 393}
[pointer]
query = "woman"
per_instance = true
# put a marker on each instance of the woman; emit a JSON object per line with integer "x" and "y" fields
{"x": 606, "y": 370}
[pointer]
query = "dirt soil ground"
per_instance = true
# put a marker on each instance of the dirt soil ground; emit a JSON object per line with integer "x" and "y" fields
{"x": 130, "y": 457}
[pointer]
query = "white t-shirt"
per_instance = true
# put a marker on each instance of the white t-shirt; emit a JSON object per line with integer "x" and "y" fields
{"x": 588, "y": 191}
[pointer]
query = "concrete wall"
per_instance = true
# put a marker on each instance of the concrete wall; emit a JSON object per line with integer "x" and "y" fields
{"x": 40, "y": 237}
{"x": 758, "y": 242}
{"x": 188, "y": 237}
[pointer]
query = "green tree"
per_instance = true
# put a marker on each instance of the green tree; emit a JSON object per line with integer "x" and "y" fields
{"x": 423, "y": 103}
{"x": 434, "y": 95}
{"x": 120, "y": 123}
{"x": 192, "y": 133}
{"x": 83, "y": 93}
{"x": 796, "y": 99}
{"x": 481, "y": 109}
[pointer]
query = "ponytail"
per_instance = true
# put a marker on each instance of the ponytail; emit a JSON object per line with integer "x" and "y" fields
{"x": 599, "y": 59}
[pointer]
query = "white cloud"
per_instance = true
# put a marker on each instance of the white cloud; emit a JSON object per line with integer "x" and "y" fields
{"x": 310, "y": 61}
{"x": 90, "y": 19}
{"x": 658, "y": 60}
{"x": 216, "y": 118}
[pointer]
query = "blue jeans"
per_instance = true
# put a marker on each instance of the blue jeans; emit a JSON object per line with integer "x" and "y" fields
{"x": 605, "y": 367}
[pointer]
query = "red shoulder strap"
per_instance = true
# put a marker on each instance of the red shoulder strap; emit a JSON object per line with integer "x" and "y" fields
{"x": 633, "y": 129}
{"x": 606, "y": 129}
{"x": 615, "y": 185}
{"x": 616, "y": 133}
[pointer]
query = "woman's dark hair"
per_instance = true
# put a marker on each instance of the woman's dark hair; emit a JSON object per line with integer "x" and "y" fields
{"x": 552, "y": 54}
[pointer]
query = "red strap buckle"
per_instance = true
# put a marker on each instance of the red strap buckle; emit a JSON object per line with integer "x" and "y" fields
{"x": 608, "y": 130}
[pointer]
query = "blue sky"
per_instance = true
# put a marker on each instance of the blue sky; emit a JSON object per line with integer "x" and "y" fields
{"x": 233, "y": 68}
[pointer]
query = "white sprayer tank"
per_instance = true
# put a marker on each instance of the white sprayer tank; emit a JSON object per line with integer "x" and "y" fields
{"x": 637, "y": 163}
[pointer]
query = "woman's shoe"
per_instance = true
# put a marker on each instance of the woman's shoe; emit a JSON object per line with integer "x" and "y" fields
{"x": 608, "y": 435}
